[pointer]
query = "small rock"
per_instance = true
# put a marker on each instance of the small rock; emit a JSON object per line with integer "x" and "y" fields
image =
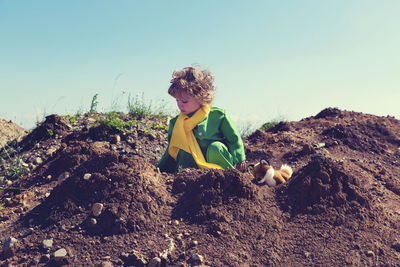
{"x": 194, "y": 243}
{"x": 197, "y": 259}
{"x": 179, "y": 236}
{"x": 60, "y": 257}
{"x": 87, "y": 176}
{"x": 38, "y": 160}
{"x": 93, "y": 221}
{"x": 51, "y": 151}
{"x": 47, "y": 244}
{"x": 9, "y": 246}
{"x": 62, "y": 252}
{"x": 49, "y": 177}
{"x": 97, "y": 208}
{"x": 62, "y": 177}
{"x": 319, "y": 145}
{"x": 115, "y": 139}
{"x": 370, "y": 253}
{"x": 105, "y": 264}
{"x": 8, "y": 201}
{"x": 135, "y": 259}
{"x": 217, "y": 233}
{"x": 47, "y": 194}
{"x": 155, "y": 262}
{"x": 307, "y": 254}
{"x": 308, "y": 149}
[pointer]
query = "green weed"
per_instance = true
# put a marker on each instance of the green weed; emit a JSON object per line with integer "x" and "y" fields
{"x": 112, "y": 123}
{"x": 13, "y": 164}
{"x": 272, "y": 123}
{"x": 158, "y": 126}
{"x": 72, "y": 119}
{"x": 93, "y": 104}
{"x": 137, "y": 107}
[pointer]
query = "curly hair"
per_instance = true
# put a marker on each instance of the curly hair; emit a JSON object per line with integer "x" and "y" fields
{"x": 194, "y": 81}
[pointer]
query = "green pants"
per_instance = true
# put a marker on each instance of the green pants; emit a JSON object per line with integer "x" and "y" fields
{"x": 216, "y": 153}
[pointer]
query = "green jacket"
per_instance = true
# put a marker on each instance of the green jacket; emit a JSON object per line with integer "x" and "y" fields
{"x": 216, "y": 127}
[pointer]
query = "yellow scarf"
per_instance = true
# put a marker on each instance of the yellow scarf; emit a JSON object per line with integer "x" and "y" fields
{"x": 183, "y": 137}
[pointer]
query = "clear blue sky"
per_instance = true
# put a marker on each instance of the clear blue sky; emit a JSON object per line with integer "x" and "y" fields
{"x": 271, "y": 58}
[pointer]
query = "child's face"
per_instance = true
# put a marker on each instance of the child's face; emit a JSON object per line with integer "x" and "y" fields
{"x": 187, "y": 104}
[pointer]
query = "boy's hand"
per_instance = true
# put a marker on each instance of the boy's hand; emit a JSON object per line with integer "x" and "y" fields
{"x": 241, "y": 166}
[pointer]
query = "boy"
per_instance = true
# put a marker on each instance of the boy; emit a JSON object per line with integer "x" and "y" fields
{"x": 201, "y": 136}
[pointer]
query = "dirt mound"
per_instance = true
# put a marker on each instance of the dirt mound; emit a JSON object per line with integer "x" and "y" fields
{"x": 53, "y": 126}
{"x": 129, "y": 188}
{"x": 322, "y": 184}
{"x": 95, "y": 192}
{"x": 9, "y": 131}
{"x": 202, "y": 190}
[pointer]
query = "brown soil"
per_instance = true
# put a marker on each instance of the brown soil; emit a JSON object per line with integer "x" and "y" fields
{"x": 340, "y": 208}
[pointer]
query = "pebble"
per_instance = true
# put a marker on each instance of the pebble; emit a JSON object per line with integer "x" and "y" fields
{"x": 38, "y": 160}
{"x": 62, "y": 252}
{"x": 307, "y": 254}
{"x": 135, "y": 259}
{"x": 194, "y": 243}
{"x": 87, "y": 176}
{"x": 8, "y": 201}
{"x": 51, "y": 151}
{"x": 106, "y": 264}
{"x": 63, "y": 176}
{"x": 47, "y": 244}
{"x": 370, "y": 253}
{"x": 60, "y": 257}
{"x": 155, "y": 262}
{"x": 93, "y": 221}
{"x": 97, "y": 208}
{"x": 197, "y": 259}
{"x": 179, "y": 236}
{"x": 8, "y": 247}
{"x": 116, "y": 139}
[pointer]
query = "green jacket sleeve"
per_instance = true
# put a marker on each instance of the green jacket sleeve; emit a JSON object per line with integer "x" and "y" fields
{"x": 233, "y": 139}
